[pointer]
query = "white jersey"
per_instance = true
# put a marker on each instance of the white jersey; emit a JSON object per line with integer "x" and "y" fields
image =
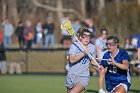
{"x": 81, "y": 67}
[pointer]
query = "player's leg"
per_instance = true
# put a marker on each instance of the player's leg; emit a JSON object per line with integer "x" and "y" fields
{"x": 68, "y": 90}
{"x": 119, "y": 89}
{"x": 101, "y": 80}
{"x": 69, "y": 83}
{"x": 78, "y": 88}
{"x": 80, "y": 83}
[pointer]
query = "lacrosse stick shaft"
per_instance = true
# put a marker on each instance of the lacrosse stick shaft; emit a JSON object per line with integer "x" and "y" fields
{"x": 102, "y": 59}
{"x": 88, "y": 53}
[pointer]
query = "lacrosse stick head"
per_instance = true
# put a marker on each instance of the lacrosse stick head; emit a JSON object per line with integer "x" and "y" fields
{"x": 66, "y": 25}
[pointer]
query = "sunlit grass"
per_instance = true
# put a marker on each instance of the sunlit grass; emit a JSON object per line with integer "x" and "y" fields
{"x": 48, "y": 84}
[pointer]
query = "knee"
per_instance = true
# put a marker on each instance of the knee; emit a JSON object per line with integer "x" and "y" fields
{"x": 73, "y": 91}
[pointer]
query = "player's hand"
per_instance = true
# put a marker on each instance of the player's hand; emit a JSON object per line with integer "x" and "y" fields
{"x": 101, "y": 68}
{"x": 111, "y": 61}
{"x": 85, "y": 52}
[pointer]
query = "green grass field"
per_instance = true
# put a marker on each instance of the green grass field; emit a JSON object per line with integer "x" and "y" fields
{"x": 48, "y": 84}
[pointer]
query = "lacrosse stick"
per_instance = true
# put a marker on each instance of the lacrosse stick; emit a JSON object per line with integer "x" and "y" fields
{"x": 101, "y": 59}
{"x": 66, "y": 25}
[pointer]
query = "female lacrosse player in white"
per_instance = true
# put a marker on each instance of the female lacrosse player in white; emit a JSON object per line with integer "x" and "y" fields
{"x": 78, "y": 75}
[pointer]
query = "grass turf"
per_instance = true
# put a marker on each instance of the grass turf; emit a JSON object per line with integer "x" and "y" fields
{"x": 48, "y": 84}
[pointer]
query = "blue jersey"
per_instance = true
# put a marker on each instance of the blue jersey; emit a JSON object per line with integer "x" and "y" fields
{"x": 115, "y": 75}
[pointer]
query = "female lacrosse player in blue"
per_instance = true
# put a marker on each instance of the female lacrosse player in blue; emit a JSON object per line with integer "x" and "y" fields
{"x": 117, "y": 74}
{"x": 78, "y": 75}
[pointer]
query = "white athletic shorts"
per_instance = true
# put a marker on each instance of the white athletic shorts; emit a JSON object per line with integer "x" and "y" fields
{"x": 72, "y": 80}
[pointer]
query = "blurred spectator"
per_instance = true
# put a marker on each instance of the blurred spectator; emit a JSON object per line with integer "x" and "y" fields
{"x": 8, "y": 32}
{"x": 101, "y": 43}
{"x": 135, "y": 40}
{"x": 49, "y": 29}
{"x": 39, "y": 34}
{"x": 138, "y": 46}
{"x": 2, "y": 57}
{"x": 28, "y": 34}
{"x": 128, "y": 44}
{"x": 90, "y": 26}
{"x": 76, "y": 25}
{"x": 20, "y": 34}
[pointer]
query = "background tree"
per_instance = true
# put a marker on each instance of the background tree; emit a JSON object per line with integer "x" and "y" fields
{"x": 12, "y": 11}
{"x": 4, "y": 9}
{"x": 119, "y": 16}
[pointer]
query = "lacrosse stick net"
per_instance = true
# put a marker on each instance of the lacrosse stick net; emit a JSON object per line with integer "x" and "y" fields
{"x": 66, "y": 25}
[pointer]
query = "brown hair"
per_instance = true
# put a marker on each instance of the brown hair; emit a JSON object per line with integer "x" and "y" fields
{"x": 79, "y": 31}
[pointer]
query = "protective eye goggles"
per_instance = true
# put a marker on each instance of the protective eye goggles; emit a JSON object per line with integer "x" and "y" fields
{"x": 110, "y": 44}
{"x": 86, "y": 36}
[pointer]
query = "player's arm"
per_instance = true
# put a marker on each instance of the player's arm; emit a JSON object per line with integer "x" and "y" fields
{"x": 124, "y": 65}
{"x": 94, "y": 65}
{"x": 75, "y": 58}
{"x": 101, "y": 78}
{"x": 97, "y": 51}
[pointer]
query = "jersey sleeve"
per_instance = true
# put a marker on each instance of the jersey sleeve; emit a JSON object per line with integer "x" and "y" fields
{"x": 93, "y": 51}
{"x": 104, "y": 63}
{"x": 125, "y": 56}
{"x": 72, "y": 49}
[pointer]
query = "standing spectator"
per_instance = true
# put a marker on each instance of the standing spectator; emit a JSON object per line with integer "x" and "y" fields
{"x": 8, "y": 32}
{"x": 138, "y": 46}
{"x": 90, "y": 26}
{"x": 116, "y": 69}
{"x": 78, "y": 75}
{"x": 76, "y": 25}
{"x": 39, "y": 34}
{"x": 20, "y": 34}
{"x": 128, "y": 44}
{"x": 28, "y": 34}
{"x": 101, "y": 43}
{"x": 49, "y": 29}
{"x": 2, "y": 57}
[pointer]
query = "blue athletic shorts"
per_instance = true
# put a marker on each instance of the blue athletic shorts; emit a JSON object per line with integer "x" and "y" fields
{"x": 126, "y": 85}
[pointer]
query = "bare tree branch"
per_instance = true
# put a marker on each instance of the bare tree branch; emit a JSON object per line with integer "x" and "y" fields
{"x": 38, "y": 4}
